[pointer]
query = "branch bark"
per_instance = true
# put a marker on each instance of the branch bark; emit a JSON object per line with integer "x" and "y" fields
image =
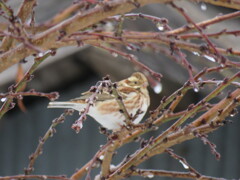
{"x": 47, "y": 39}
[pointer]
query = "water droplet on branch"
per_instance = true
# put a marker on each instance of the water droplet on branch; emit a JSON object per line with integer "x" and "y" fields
{"x": 3, "y": 99}
{"x": 157, "y": 88}
{"x": 129, "y": 48}
{"x": 101, "y": 157}
{"x": 203, "y": 6}
{"x": 210, "y": 58}
{"x": 150, "y": 175}
{"x": 114, "y": 54}
{"x": 41, "y": 54}
{"x": 196, "y": 53}
{"x": 196, "y": 89}
{"x": 233, "y": 112}
{"x": 185, "y": 166}
{"x": 160, "y": 26}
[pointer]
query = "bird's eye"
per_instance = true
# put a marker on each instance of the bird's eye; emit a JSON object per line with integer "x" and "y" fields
{"x": 135, "y": 82}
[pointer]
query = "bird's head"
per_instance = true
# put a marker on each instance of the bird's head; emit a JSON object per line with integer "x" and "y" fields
{"x": 137, "y": 80}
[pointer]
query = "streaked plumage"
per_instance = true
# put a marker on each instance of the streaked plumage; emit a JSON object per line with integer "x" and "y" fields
{"x": 105, "y": 110}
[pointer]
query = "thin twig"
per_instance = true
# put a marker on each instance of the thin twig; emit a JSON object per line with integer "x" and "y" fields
{"x": 142, "y": 37}
{"x": 221, "y": 59}
{"x": 51, "y": 96}
{"x": 184, "y": 162}
{"x": 214, "y": 35}
{"x": 24, "y": 12}
{"x": 8, "y": 104}
{"x": 78, "y": 124}
{"x": 205, "y": 23}
{"x": 41, "y": 177}
{"x": 173, "y": 174}
{"x": 131, "y": 58}
{"x": 136, "y": 158}
{"x": 50, "y": 132}
{"x": 47, "y": 39}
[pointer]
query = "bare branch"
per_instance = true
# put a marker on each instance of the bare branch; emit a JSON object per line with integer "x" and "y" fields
{"x": 27, "y": 77}
{"x": 60, "y": 177}
{"x": 46, "y": 40}
{"x": 173, "y": 174}
{"x": 50, "y": 132}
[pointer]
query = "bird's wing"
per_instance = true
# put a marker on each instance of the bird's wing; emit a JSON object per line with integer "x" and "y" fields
{"x": 100, "y": 97}
{"x": 105, "y": 95}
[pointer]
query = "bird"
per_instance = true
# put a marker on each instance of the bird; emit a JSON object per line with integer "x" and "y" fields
{"x": 106, "y": 110}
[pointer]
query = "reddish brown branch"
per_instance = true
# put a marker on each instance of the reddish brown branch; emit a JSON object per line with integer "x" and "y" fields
{"x": 77, "y": 126}
{"x": 221, "y": 59}
{"x": 8, "y": 104}
{"x": 161, "y": 23}
{"x": 234, "y": 4}
{"x": 132, "y": 59}
{"x": 173, "y": 174}
{"x": 214, "y": 35}
{"x": 184, "y": 162}
{"x": 142, "y": 37}
{"x": 51, "y": 96}
{"x": 212, "y": 146}
{"x": 162, "y": 139}
{"x": 41, "y": 177}
{"x": 205, "y": 23}
{"x": 23, "y": 13}
{"x": 47, "y": 39}
{"x": 50, "y": 132}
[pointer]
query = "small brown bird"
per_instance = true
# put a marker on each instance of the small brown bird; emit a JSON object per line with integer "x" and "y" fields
{"x": 105, "y": 109}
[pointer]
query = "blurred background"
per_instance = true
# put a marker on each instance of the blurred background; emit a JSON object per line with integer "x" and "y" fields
{"x": 73, "y": 70}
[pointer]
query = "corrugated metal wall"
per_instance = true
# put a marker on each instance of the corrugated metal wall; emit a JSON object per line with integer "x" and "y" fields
{"x": 67, "y": 151}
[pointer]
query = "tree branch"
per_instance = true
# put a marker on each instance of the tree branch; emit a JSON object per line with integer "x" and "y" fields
{"x": 46, "y": 40}
{"x": 173, "y": 174}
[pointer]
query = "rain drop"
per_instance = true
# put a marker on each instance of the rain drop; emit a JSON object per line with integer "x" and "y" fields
{"x": 196, "y": 89}
{"x": 112, "y": 166}
{"x": 20, "y": 97}
{"x": 81, "y": 125}
{"x": 210, "y": 58}
{"x": 3, "y": 99}
{"x": 101, "y": 157}
{"x": 129, "y": 48}
{"x": 196, "y": 53}
{"x": 157, "y": 88}
{"x": 150, "y": 175}
{"x": 203, "y": 6}
{"x": 233, "y": 112}
{"x": 218, "y": 82}
{"x": 184, "y": 165}
{"x": 160, "y": 26}
{"x": 114, "y": 54}
{"x": 109, "y": 27}
{"x": 40, "y": 54}
{"x": 222, "y": 65}
{"x": 236, "y": 83}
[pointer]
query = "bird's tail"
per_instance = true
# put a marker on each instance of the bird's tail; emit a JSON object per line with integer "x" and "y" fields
{"x": 68, "y": 105}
